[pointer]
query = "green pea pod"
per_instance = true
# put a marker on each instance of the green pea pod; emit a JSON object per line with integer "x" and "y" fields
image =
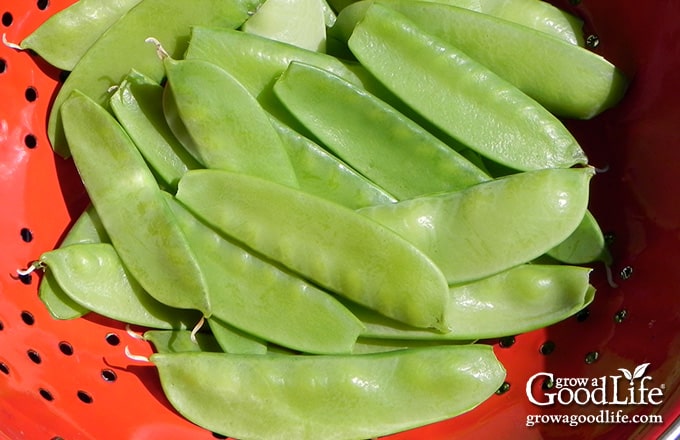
{"x": 180, "y": 341}
{"x": 231, "y": 133}
{"x": 585, "y": 245}
{"x": 137, "y": 104}
{"x": 93, "y": 275}
{"x": 87, "y": 229}
{"x": 320, "y": 173}
{"x": 371, "y": 136}
{"x": 568, "y": 80}
{"x": 64, "y": 38}
{"x": 461, "y": 96}
{"x": 262, "y": 300}
{"x": 328, "y": 397}
{"x": 123, "y": 47}
{"x": 327, "y": 243}
{"x": 256, "y": 61}
{"x": 233, "y": 340}
{"x": 132, "y": 207}
{"x": 298, "y": 22}
{"x": 492, "y": 226}
{"x": 539, "y": 15}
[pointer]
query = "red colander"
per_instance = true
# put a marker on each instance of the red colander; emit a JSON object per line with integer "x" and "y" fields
{"x": 68, "y": 380}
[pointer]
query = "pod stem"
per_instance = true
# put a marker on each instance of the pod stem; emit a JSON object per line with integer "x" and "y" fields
{"x": 196, "y": 328}
{"x": 160, "y": 50}
{"x": 10, "y": 44}
{"x": 135, "y": 357}
{"x": 30, "y": 269}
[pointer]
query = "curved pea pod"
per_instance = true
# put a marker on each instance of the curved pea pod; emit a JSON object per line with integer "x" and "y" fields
{"x": 123, "y": 48}
{"x": 568, "y": 80}
{"x": 585, "y": 245}
{"x": 180, "y": 341}
{"x": 233, "y": 340}
{"x": 256, "y": 297}
{"x": 298, "y": 22}
{"x": 87, "y": 229}
{"x": 322, "y": 241}
{"x": 328, "y": 397}
{"x": 137, "y": 105}
{"x": 93, "y": 275}
{"x": 371, "y": 136}
{"x": 221, "y": 123}
{"x": 539, "y": 15}
{"x": 521, "y": 299}
{"x": 492, "y": 226}
{"x": 65, "y": 37}
{"x": 461, "y": 96}
{"x": 256, "y": 61}
{"x": 320, "y": 173}
{"x": 132, "y": 207}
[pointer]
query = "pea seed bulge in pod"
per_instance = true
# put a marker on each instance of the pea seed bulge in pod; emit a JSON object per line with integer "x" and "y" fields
{"x": 274, "y": 219}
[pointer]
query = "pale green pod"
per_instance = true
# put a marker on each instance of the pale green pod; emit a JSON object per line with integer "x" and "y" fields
{"x": 231, "y": 133}
{"x": 585, "y": 245}
{"x": 233, "y": 340}
{"x": 492, "y": 226}
{"x": 63, "y": 39}
{"x": 93, "y": 275}
{"x": 328, "y": 397}
{"x": 332, "y": 245}
{"x": 181, "y": 341}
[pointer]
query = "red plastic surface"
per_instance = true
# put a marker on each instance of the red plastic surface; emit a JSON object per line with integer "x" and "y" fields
{"x": 84, "y": 387}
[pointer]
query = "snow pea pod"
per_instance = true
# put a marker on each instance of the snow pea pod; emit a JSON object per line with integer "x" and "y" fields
{"x": 330, "y": 244}
{"x": 323, "y": 174}
{"x": 371, "y": 136}
{"x": 180, "y": 341}
{"x": 585, "y": 245}
{"x": 233, "y": 340}
{"x": 123, "y": 48}
{"x": 123, "y": 190}
{"x": 328, "y": 397}
{"x": 253, "y": 295}
{"x": 87, "y": 229}
{"x": 65, "y": 37}
{"x": 256, "y": 61}
{"x": 137, "y": 105}
{"x": 460, "y": 96}
{"x": 93, "y": 275}
{"x": 569, "y": 80}
{"x": 221, "y": 123}
{"x": 492, "y": 226}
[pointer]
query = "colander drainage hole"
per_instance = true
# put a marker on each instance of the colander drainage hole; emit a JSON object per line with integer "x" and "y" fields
{"x": 26, "y": 235}
{"x": 27, "y": 317}
{"x": 30, "y": 141}
{"x": 66, "y": 348}
{"x": 546, "y": 348}
{"x": 85, "y": 397}
{"x": 583, "y": 315}
{"x": 504, "y": 388}
{"x": 3, "y": 65}
{"x": 216, "y": 435}
{"x": 112, "y": 339}
{"x": 46, "y": 395}
{"x": 42, "y": 4}
{"x": 26, "y": 278}
{"x": 4, "y": 368}
{"x": 7, "y": 19}
{"x": 2, "y": 326}
{"x": 109, "y": 375}
{"x": 31, "y": 94}
{"x": 34, "y": 356}
{"x": 507, "y": 342}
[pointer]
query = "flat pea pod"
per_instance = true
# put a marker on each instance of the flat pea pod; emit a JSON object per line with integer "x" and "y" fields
{"x": 568, "y": 80}
{"x": 93, "y": 275}
{"x": 461, "y": 96}
{"x": 233, "y": 340}
{"x": 321, "y": 173}
{"x": 371, "y": 136}
{"x": 86, "y": 229}
{"x": 257, "y": 61}
{"x": 231, "y": 133}
{"x": 322, "y": 241}
{"x": 329, "y": 397}
{"x": 123, "y": 48}
{"x": 492, "y": 226}
{"x": 585, "y": 245}
{"x": 256, "y": 297}
{"x": 65, "y": 37}
{"x": 137, "y": 105}
{"x": 123, "y": 190}
{"x": 181, "y": 341}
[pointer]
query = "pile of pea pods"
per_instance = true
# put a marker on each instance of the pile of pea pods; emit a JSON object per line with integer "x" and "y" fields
{"x": 351, "y": 195}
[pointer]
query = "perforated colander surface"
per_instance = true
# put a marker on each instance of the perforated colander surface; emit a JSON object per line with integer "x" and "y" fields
{"x": 71, "y": 379}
